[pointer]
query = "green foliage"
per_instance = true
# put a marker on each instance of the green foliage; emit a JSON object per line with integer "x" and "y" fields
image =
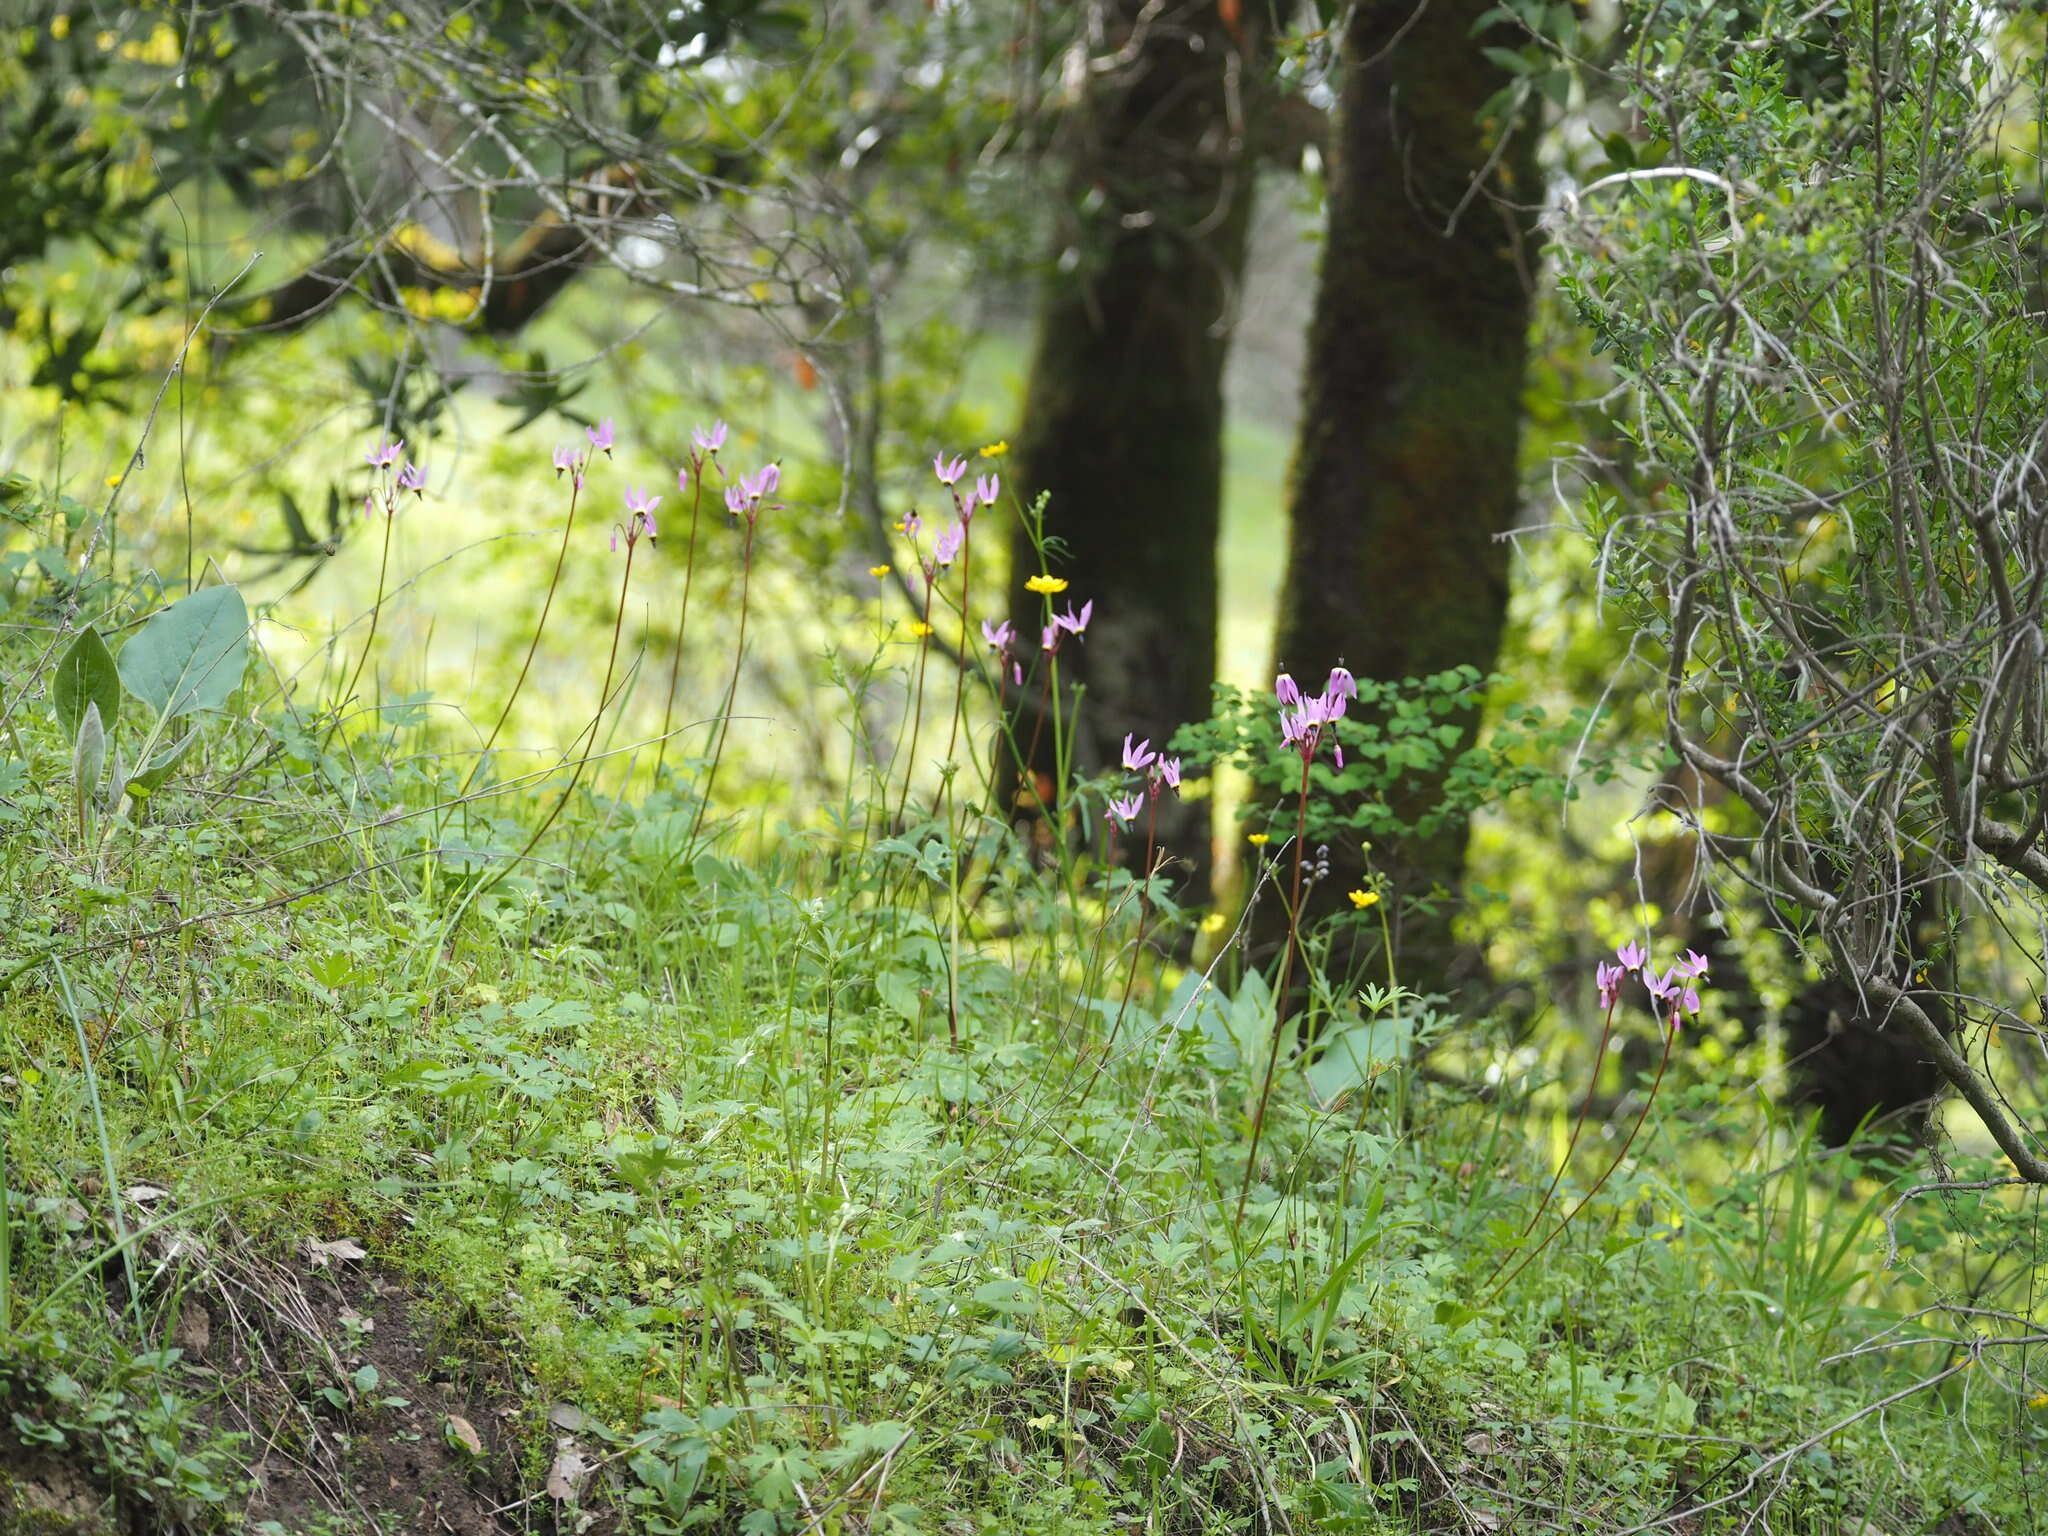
{"x": 1398, "y": 735}
{"x": 781, "y": 1196}
{"x": 86, "y": 678}
{"x": 1824, "y": 310}
{"x": 119, "y": 1417}
{"x": 190, "y": 656}
{"x": 815, "y": 1158}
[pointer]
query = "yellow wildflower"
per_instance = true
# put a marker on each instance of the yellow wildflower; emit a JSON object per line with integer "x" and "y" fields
{"x": 113, "y": 479}
{"x": 1046, "y": 585}
{"x": 878, "y": 570}
{"x": 1260, "y": 839}
{"x": 1363, "y": 899}
{"x": 1213, "y": 923}
{"x": 995, "y": 450}
{"x": 920, "y": 629}
{"x": 2038, "y": 1400}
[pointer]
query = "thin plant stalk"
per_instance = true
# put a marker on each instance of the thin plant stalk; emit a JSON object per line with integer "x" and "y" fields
{"x": 1670, "y": 1038}
{"x": 604, "y": 699}
{"x": 376, "y": 612}
{"x": 1137, "y": 957}
{"x": 675, "y": 666}
{"x": 953, "y": 834}
{"x": 924, "y": 651}
{"x": 1279, "y": 995}
{"x": 106, "y": 1143}
{"x": 539, "y": 628}
{"x": 1578, "y": 1125}
{"x": 6, "y": 1249}
{"x": 966, "y": 638}
{"x": 952, "y": 917}
{"x": 1059, "y": 746}
{"x": 877, "y": 774}
{"x": 732, "y": 687}
{"x": 481, "y": 888}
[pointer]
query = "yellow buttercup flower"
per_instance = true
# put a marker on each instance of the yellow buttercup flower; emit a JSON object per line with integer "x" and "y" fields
{"x": 2038, "y": 1400}
{"x": 995, "y": 450}
{"x": 1363, "y": 899}
{"x": 1046, "y": 585}
{"x": 1259, "y": 839}
{"x": 878, "y": 570}
{"x": 920, "y": 629}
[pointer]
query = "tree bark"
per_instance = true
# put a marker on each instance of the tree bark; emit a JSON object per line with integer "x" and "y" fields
{"x": 1123, "y": 411}
{"x": 1406, "y": 474}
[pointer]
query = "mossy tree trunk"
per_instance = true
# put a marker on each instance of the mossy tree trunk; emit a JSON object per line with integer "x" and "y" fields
{"x": 1405, "y": 474}
{"x": 1123, "y": 412}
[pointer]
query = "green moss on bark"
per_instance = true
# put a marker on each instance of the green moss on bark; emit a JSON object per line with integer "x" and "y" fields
{"x": 1123, "y": 412}
{"x": 1406, "y": 472}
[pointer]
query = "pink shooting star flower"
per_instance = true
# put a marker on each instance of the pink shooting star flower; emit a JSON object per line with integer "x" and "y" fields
{"x": 910, "y": 525}
{"x": 413, "y": 477}
{"x": 1125, "y": 810}
{"x": 641, "y": 526}
{"x": 1333, "y": 703}
{"x": 762, "y": 482}
{"x": 1002, "y": 639}
{"x": 1073, "y": 623}
{"x": 1694, "y": 965}
{"x": 946, "y": 548}
{"x": 565, "y": 458}
{"x": 642, "y": 505}
{"x": 386, "y": 456}
{"x": 987, "y": 488}
{"x": 1049, "y": 637}
{"x": 1167, "y": 771}
{"x": 1138, "y": 758}
{"x": 1342, "y": 685}
{"x": 735, "y": 500}
{"x": 709, "y": 439}
{"x": 948, "y": 473}
{"x": 682, "y": 480}
{"x": 1631, "y": 955}
{"x": 1303, "y": 727}
{"x": 1608, "y": 979}
{"x": 1673, "y": 991}
{"x": 641, "y": 523}
{"x": 601, "y": 436}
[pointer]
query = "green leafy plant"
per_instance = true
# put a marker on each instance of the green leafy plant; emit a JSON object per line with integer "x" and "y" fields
{"x": 187, "y": 658}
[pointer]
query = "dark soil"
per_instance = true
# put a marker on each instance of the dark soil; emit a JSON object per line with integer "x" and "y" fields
{"x": 277, "y": 1353}
{"x": 379, "y": 1467}
{"x": 42, "y": 1496}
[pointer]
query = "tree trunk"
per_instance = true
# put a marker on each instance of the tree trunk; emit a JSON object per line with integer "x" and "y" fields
{"x": 1405, "y": 476}
{"x": 1123, "y": 412}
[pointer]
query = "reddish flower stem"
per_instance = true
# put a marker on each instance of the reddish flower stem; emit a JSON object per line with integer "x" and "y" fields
{"x": 675, "y": 666}
{"x": 1280, "y": 992}
{"x": 1670, "y": 1038}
